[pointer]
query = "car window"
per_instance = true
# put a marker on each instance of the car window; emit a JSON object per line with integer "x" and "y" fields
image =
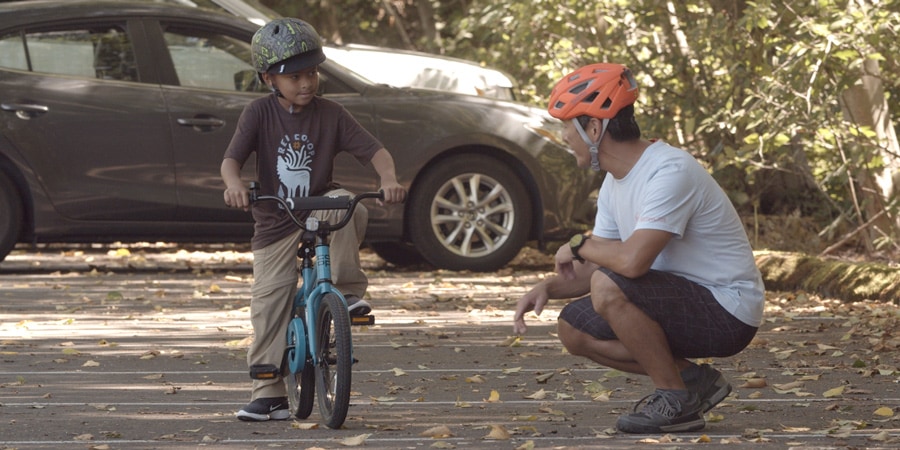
{"x": 105, "y": 53}
{"x": 12, "y": 52}
{"x": 211, "y": 60}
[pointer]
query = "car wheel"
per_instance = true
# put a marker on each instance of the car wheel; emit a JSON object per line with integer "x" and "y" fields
{"x": 469, "y": 213}
{"x": 10, "y": 215}
{"x": 397, "y": 253}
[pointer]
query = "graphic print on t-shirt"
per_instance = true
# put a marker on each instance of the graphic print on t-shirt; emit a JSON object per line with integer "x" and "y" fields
{"x": 294, "y": 156}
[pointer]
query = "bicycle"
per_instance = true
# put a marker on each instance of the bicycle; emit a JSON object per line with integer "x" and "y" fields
{"x": 319, "y": 355}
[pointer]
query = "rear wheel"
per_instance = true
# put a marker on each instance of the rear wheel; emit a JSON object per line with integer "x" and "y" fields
{"x": 10, "y": 215}
{"x": 335, "y": 361}
{"x": 470, "y": 213}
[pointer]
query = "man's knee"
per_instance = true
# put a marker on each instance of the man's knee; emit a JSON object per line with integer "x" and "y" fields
{"x": 570, "y": 337}
{"x": 605, "y": 294}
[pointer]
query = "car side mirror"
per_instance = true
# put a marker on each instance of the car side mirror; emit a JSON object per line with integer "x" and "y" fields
{"x": 248, "y": 81}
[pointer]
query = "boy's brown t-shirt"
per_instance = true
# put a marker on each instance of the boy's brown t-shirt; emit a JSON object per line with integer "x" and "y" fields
{"x": 295, "y": 155}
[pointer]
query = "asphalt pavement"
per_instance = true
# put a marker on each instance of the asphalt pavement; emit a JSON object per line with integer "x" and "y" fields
{"x": 144, "y": 348}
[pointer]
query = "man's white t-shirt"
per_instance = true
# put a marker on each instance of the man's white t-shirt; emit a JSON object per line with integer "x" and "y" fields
{"x": 669, "y": 190}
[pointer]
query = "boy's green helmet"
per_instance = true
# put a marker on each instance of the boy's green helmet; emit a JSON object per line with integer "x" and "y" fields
{"x": 286, "y": 45}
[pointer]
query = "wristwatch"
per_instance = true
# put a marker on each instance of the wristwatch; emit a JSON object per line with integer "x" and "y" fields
{"x": 575, "y": 244}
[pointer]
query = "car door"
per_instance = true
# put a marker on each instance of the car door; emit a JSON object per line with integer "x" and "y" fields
{"x": 210, "y": 82}
{"x": 92, "y": 132}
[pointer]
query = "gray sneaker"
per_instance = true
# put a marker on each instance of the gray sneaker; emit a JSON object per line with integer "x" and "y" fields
{"x": 710, "y": 386}
{"x": 357, "y": 306}
{"x": 263, "y": 409}
{"x": 663, "y": 413}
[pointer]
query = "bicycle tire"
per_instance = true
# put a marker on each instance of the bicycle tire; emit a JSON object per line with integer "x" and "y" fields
{"x": 300, "y": 386}
{"x": 333, "y": 369}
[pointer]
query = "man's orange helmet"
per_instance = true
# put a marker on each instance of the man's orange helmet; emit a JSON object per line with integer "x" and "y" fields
{"x": 596, "y": 90}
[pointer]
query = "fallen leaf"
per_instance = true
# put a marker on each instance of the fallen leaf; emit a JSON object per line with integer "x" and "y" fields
{"x": 494, "y": 398}
{"x": 498, "y": 432}
{"x": 477, "y": 379}
{"x": 539, "y": 395}
{"x": 355, "y": 441}
{"x": 754, "y": 383}
{"x": 835, "y": 392}
{"x": 881, "y": 436}
{"x": 543, "y": 378}
{"x": 438, "y": 432}
{"x": 304, "y": 425}
{"x": 884, "y": 411}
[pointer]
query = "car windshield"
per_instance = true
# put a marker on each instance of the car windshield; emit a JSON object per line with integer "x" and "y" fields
{"x": 251, "y": 10}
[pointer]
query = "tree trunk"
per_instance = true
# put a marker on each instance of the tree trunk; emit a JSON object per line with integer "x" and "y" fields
{"x": 865, "y": 105}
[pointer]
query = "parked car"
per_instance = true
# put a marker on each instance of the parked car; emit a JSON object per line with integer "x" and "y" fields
{"x": 114, "y": 117}
{"x": 403, "y": 68}
{"x": 394, "y": 67}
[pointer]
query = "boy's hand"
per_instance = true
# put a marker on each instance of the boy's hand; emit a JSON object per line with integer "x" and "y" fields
{"x": 393, "y": 193}
{"x": 237, "y": 197}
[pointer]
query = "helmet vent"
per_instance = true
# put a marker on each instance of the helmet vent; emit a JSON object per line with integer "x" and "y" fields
{"x": 577, "y": 89}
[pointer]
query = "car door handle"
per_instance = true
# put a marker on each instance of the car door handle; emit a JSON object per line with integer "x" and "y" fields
{"x": 25, "y": 111}
{"x": 202, "y": 123}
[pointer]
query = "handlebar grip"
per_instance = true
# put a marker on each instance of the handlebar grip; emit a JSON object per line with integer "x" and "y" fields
{"x": 311, "y": 203}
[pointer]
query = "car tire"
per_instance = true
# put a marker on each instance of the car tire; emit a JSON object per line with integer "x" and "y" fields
{"x": 397, "y": 253}
{"x": 10, "y": 215}
{"x": 470, "y": 212}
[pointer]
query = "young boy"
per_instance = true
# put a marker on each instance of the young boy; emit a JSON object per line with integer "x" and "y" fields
{"x": 296, "y": 136}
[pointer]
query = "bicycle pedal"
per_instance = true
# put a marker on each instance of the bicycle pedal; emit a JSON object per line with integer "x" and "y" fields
{"x": 264, "y": 372}
{"x": 362, "y": 320}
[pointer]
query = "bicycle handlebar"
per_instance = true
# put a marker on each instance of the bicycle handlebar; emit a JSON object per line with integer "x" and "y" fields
{"x": 344, "y": 202}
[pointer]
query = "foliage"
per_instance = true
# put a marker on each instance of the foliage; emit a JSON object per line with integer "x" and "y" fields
{"x": 752, "y": 88}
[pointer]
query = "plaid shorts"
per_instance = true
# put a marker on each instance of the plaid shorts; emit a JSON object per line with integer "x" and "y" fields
{"x": 695, "y": 324}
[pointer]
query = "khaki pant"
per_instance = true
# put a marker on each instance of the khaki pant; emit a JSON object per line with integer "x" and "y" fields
{"x": 275, "y": 274}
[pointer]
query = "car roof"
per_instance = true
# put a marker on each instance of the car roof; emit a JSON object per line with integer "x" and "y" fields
{"x": 24, "y": 12}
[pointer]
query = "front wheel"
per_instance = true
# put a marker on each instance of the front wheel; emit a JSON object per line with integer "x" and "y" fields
{"x": 471, "y": 212}
{"x": 335, "y": 361}
{"x": 300, "y": 379}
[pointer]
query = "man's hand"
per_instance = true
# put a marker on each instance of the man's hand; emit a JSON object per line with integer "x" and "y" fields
{"x": 534, "y": 300}
{"x": 565, "y": 262}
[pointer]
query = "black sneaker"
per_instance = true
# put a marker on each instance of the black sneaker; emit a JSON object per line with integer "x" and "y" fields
{"x": 263, "y": 409}
{"x": 710, "y": 386}
{"x": 357, "y": 306}
{"x": 663, "y": 413}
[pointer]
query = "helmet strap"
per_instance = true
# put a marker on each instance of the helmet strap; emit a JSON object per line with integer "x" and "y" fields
{"x": 592, "y": 146}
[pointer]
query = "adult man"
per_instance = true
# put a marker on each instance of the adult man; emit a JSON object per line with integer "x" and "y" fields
{"x": 669, "y": 270}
